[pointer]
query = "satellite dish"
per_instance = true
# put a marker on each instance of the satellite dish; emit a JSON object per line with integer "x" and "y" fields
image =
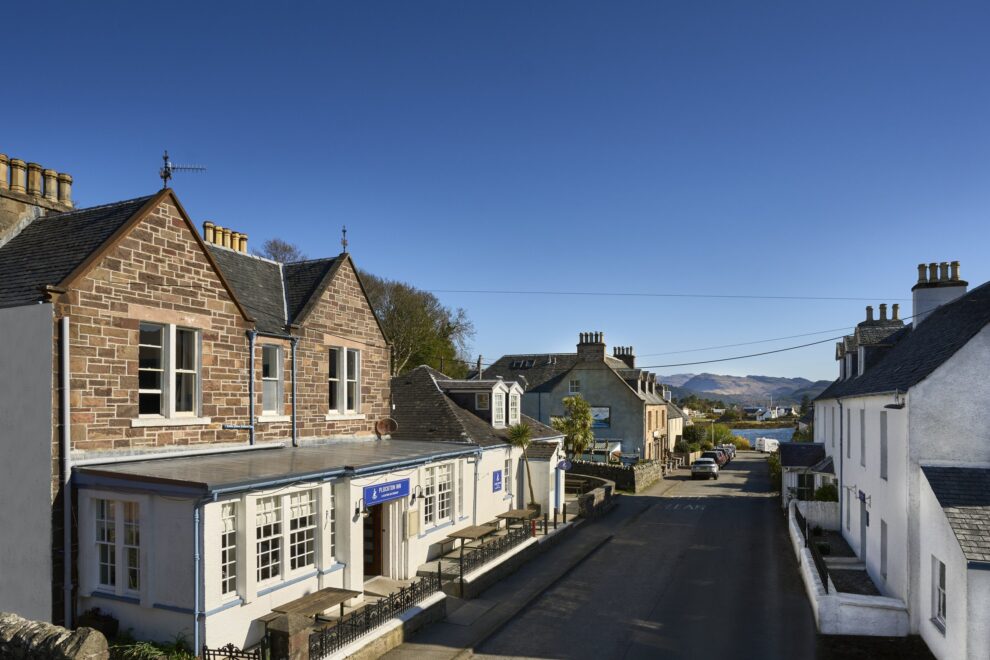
{"x": 386, "y": 426}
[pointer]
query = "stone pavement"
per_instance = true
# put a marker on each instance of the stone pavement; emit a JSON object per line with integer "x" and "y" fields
{"x": 469, "y": 622}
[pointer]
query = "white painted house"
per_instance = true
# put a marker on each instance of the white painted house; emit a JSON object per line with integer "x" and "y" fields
{"x": 905, "y": 425}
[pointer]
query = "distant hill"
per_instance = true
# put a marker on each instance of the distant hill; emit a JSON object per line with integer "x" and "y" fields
{"x": 745, "y": 390}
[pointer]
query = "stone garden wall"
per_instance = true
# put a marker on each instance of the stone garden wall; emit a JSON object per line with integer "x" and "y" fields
{"x": 21, "y": 639}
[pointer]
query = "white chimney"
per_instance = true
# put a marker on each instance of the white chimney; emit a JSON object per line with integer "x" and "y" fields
{"x": 935, "y": 288}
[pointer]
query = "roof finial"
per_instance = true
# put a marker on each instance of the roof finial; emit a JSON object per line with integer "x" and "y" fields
{"x": 343, "y": 237}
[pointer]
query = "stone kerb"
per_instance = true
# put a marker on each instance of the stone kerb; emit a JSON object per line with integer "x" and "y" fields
{"x": 22, "y": 639}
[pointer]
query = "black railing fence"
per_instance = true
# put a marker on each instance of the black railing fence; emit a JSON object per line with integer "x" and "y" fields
{"x": 802, "y": 524}
{"x": 230, "y": 652}
{"x": 495, "y": 547}
{"x": 338, "y": 634}
{"x": 816, "y": 555}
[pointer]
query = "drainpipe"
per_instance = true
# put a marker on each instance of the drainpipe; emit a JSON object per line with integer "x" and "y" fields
{"x": 196, "y": 570}
{"x": 842, "y": 426}
{"x": 295, "y": 431}
{"x": 66, "y": 442}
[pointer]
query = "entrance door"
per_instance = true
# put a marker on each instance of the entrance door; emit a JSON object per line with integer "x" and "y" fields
{"x": 373, "y": 529}
{"x": 862, "y": 530}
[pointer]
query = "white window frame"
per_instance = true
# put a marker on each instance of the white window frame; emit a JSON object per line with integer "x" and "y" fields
{"x": 170, "y": 370}
{"x": 939, "y": 596}
{"x": 507, "y": 479}
{"x": 514, "y": 405}
{"x": 303, "y": 529}
{"x": 126, "y": 556}
{"x": 286, "y": 536}
{"x": 574, "y": 386}
{"x": 498, "y": 409}
{"x": 483, "y": 401}
{"x": 275, "y": 568}
{"x": 339, "y": 383}
{"x": 266, "y": 405}
{"x": 228, "y": 548}
{"x": 438, "y": 495}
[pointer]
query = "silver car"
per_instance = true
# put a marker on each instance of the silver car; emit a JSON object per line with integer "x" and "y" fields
{"x": 704, "y": 468}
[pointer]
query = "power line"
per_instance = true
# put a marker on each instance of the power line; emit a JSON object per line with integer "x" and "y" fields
{"x": 741, "y": 357}
{"x": 745, "y": 343}
{"x": 654, "y": 295}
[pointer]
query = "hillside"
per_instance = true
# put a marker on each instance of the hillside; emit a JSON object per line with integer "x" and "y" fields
{"x": 745, "y": 390}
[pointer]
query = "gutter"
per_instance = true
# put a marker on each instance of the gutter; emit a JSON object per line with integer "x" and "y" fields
{"x": 66, "y": 441}
{"x": 175, "y": 454}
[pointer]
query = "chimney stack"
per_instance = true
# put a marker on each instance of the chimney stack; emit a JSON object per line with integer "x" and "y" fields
{"x": 27, "y": 192}
{"x": 214, "y": 234}
{"x": 591, "y": 346}
{"x": 895, "y": 312}
{"x": 938, "y": 284}
{"x": 883, "y": 311}
{"x": 625, "y": 353}
{"x": 869, "y": 313}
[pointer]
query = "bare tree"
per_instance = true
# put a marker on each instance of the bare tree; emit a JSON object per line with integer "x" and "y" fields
{"x": 282, "y": 251}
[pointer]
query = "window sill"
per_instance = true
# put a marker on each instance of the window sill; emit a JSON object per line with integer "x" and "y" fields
{"x": 274, "y": 418}
{"x": 343, "y": 417}
{"x": 939, "y": 625}
{"x": 436, "y": 528}
{"x": 145, "y": 422}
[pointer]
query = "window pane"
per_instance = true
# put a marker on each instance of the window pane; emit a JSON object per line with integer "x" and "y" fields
{"x": 269, "y": 396}
{"x": 269, "y": 362}
{"x": 334, "y": 363}
{"x": 185, "y": 390}
{"x": 351, "y": 394}
{"x": 151, "y": 334}
{"x": 150, "y": 357}
{"x": 150, "y": 380}
{"x": 352, "y": 360}
{"x": 149, "y": 404}
{"x": 185, "y": 349}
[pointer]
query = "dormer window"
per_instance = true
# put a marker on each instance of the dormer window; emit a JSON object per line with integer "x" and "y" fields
{"x": 513, "y": 409}
{"x": 482, "y": 401}
{"x": 498, "y": 414}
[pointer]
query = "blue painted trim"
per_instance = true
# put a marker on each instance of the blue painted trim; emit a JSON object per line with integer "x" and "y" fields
{"x": 431, "y": 530}
{"x": 109, "y": 596}
{"x": 226, "y": 606}
{"x": 333, "y": 569}
{"x": 978, "y": 565}
{"x": 287, "y": 583}
{"x": 173, "y": 608}
{"x": 102, "y": 480}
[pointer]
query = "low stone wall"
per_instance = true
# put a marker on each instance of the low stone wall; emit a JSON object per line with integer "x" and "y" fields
{"x": 632, "y": 478}
{"x": 688, "y": 457}
{"x": 597, "y": 500}
{"x": 820, "y": 514}
{"x": 21, "y": 639}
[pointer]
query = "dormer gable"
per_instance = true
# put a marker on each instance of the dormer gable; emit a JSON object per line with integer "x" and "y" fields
{"x": 498, "y": 402}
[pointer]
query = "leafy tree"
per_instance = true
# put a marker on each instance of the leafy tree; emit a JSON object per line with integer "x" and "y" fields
{"x": 520, "y": 435}
{"x": 805, "y": 403}
{"x": 421, "y": 329}
{"x": 730, "y": 415}
{"x": 281, "y": 251}
{"x": 773, "y": 461}
{"x": 575, "y": 425}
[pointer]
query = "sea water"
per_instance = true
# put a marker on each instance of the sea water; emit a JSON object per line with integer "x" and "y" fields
{"x": 781, "y": 435}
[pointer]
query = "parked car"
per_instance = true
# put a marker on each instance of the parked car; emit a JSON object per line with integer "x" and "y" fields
{"x": 718, "y": 456}
{"x": 704, "y": 468}
{"x": 729, "y": 448}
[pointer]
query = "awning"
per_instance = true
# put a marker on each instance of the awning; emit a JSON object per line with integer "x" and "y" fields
{"x": 824, "y": 466}
{"x": 248, "y": 470}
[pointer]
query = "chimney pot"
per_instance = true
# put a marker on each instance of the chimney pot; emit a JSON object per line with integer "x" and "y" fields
{"x": 18, "y": 175}
{"x": 208, "y": 231}
{"x": 869, "y": 312}
{"x": 4, "y": 171}
{"x": 895, "y": 312}
{"x": 64, "y": 189}
{"x": 235, "y": 240}
{"x": 943, "y": 271}
{"x": 933, "y": 272}
{"x": 883, "y": 311}
{"x": 922, "y": 274}
{"x": 51, "y": 185}
{"x": 955, "y": 271}
{"x": 34, "y": 179}
{"x": 243, "y": 243}
{"x": 226, "y": 237}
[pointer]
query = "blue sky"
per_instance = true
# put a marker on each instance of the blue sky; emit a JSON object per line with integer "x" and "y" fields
{"x": 776, "y": 148}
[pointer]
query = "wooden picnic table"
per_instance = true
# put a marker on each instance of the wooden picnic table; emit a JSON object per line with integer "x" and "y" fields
{"x": 472, "y": 533}
{"x": 317, "y": 602}
{"x": 517, "y": 514}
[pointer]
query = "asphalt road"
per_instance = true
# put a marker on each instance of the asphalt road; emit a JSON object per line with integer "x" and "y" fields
{"x": 706, "y": 571}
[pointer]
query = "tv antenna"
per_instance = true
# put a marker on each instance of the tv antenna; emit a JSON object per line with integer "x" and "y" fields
{"x": 169, "y": 167}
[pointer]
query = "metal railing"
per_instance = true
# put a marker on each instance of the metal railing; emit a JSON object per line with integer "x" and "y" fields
{"x": 816, "y": 555}
{"x": 495, "y": 547}
{"x": 802, "y": 524}
{"x": 338, "y": 634}
{"x": 230, "y": 652}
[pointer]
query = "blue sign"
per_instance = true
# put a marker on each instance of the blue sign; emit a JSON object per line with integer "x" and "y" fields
{"x": 496, "y": 481}
{"x": 379, "y": 493}
{"x": 564, "y": 465}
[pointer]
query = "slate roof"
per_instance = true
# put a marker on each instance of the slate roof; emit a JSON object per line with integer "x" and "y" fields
{"x": 871, "y": 333}
{"x": 46, "y": 251}
{"x": 301, "y": 280}
{"x": 257, "y": 283}
{"x": 964, "y": 494}
{"x": 801, "y": 454}
{"x": 424, "y": 412}
{"x": 673, "y": 412}
{"x": 824, "y": 466}
{"x": 542, "y": 451}
{"x": 547, "y": 369}
{"x": 918, "y": 351}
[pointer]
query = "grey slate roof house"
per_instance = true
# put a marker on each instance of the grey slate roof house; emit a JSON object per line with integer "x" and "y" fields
{"x": 904, "y": 428}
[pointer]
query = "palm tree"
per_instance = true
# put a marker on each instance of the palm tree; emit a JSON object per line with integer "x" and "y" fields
{"x": 575, "y": 425}
{"x": 520, "y": 436}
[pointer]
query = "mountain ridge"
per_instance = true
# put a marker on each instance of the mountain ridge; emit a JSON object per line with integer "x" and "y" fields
{"x": 745, "y": 390}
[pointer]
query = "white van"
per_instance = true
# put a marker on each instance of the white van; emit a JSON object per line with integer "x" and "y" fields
{"x": 767, "y": 445}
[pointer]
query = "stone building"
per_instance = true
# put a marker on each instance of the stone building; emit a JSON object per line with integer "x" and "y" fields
{"x": 627, "y": 403}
